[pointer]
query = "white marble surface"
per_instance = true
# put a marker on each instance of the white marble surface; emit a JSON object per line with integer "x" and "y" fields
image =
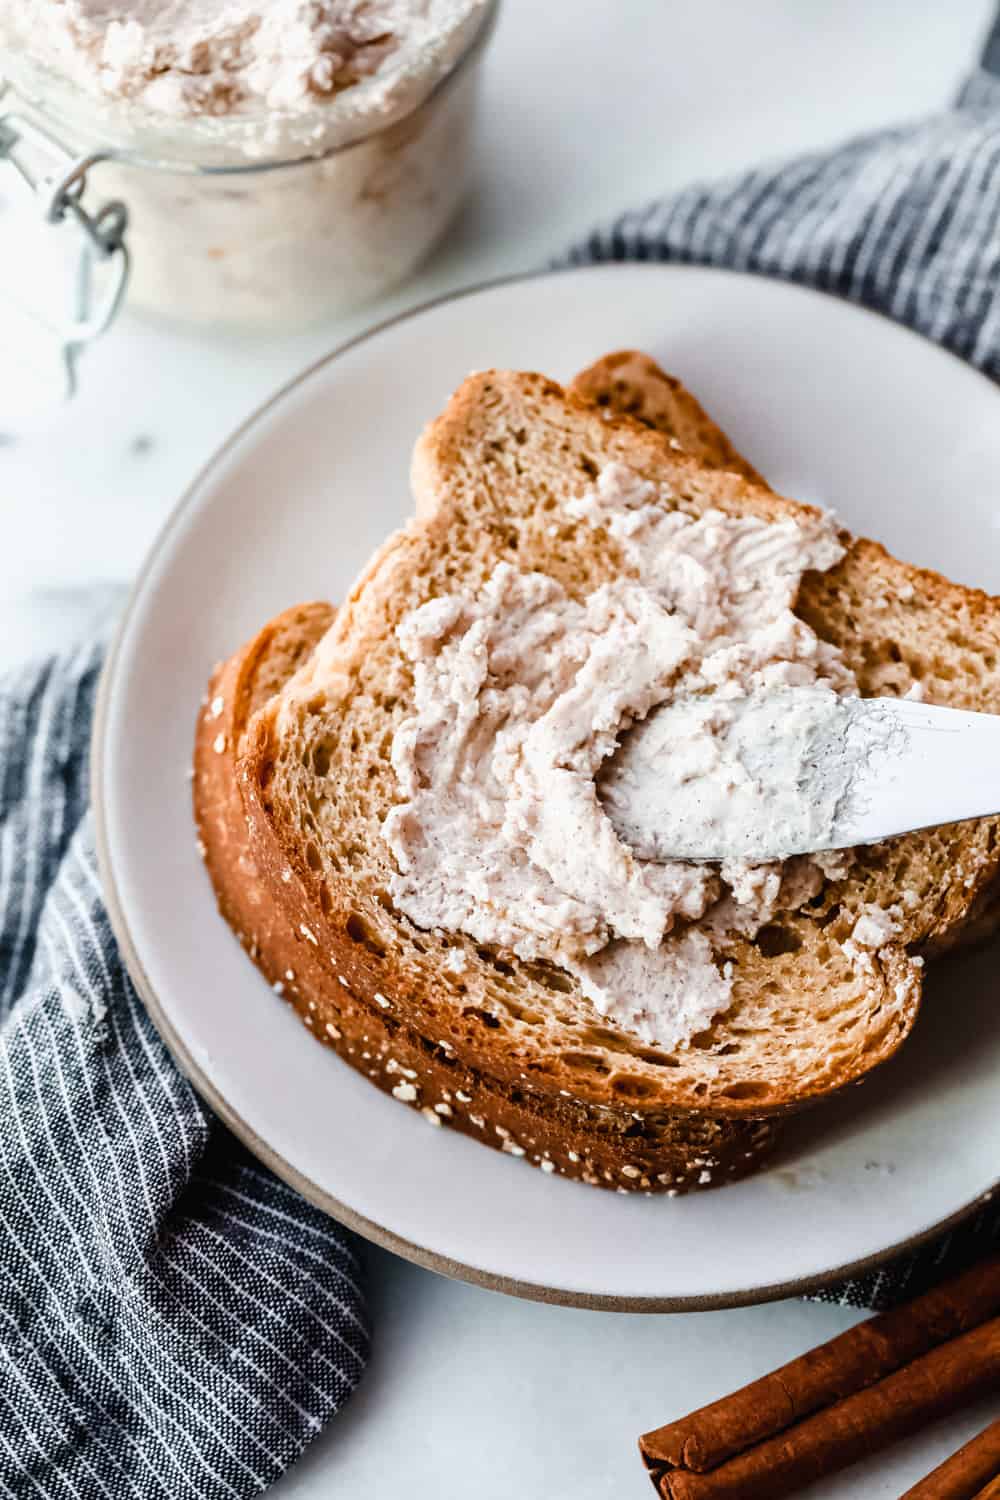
{"x": 588, "y": 108}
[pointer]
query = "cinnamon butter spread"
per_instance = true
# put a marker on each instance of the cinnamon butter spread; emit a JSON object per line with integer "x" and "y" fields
{"x": 513, "y": 767}
{"x": 220, "y": 57}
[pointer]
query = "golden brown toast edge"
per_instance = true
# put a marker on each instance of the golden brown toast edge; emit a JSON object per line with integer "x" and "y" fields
{"x": 630, "y": 383}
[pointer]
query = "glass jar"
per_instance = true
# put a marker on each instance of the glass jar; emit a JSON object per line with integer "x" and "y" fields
{"x": 283, "y": 240}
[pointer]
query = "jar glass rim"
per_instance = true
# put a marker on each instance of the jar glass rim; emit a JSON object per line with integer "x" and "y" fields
{"x": 31, "y": 85}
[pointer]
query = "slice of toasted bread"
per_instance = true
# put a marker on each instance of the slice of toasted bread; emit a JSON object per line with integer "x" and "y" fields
{"x": 620, "y": 1125}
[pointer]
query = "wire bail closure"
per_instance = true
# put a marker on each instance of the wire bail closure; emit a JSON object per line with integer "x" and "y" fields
{"x": 59, "y": 181}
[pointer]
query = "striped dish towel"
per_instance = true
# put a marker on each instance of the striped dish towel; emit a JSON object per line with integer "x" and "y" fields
{"x": 174, "y": 1321}
{"x": 906, "y": 221}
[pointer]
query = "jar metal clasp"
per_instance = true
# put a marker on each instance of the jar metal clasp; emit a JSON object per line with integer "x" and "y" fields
{"x": 58, "y": 178}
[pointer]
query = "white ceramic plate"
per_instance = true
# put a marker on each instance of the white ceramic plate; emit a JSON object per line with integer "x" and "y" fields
{"x": 833, "y": 404}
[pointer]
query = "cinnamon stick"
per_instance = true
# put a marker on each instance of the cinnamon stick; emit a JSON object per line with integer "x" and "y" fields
{"x": 837, "y": 1369}
{"x": 991, "y": 1492}
{"x": 962, "y": 1476}
{"x": 932, "y": 1386}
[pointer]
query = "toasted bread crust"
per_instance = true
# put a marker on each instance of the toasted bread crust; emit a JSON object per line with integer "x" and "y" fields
{"x": 631, "y": 384}
{"x": 672, "y": 1154}
{"x": 238, "y": 687}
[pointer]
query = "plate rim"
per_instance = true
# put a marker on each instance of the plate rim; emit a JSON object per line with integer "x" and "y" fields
{"x": 203, "y": 1085}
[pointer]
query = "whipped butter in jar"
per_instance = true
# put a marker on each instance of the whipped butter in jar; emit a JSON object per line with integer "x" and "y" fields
{"x": 277, "y": 160}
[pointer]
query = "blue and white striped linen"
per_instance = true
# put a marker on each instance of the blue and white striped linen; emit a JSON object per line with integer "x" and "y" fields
{"x": 174, "y": 1321}
{"x": 905, "y": 220}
